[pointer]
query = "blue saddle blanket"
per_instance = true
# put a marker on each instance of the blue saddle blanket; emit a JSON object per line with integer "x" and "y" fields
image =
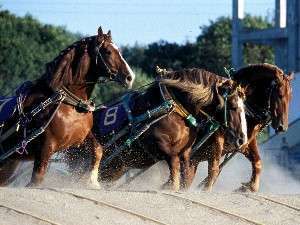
{"x": 8, "y": 106}
{"x": 111, "y": 119}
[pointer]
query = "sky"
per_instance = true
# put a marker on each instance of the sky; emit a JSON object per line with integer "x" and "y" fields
{"x": 134, "y": 21}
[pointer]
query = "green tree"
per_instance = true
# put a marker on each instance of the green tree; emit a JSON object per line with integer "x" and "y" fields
{"x": 214, "y": 45}
{"x": 108, "y": 91}
{"x": 211, "y": 51}
{"x": 26, "y": 46}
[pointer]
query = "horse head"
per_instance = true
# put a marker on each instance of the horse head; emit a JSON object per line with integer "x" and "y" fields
{"x": 232, "y": 111}
{"x": 109, "y": 58}
{"x": 279, "y": 100}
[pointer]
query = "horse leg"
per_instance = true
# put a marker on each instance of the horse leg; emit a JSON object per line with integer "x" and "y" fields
{"x": 174, "y": 179}
{"x": 41, "y": 161}
{"x": 253, "y": 156}
{"x": 214, "y": 163}
{"x": 188, "y": 169}
{"x": 97, "y": 155}
{"x": 7, "y": 170}
{"x": 175, "y": 172}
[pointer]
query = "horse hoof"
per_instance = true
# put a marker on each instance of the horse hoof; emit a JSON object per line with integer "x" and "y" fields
{"x": 246, "y": 187}
{"x": 166, "y": 186}
{"x": 31, "y": 185}
{"x": 206, "y": 189}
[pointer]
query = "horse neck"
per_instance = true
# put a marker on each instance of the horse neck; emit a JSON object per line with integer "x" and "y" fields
{"x": 81, "y": 91}
{"x": 84, "y": 79}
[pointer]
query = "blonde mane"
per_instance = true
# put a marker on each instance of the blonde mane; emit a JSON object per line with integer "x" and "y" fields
{"x": 197, "y": 83}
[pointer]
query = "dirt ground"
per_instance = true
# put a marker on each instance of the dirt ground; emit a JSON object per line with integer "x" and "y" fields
{"x": 62, "y": 200}
{"x": 82, "y": 206}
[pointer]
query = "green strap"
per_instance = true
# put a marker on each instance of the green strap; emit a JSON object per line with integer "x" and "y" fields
{"x": 212, "y": 128}
{"x": 192, "y": 120}
{"x": 225, "y": 111}
{"x": 229, "y": 71}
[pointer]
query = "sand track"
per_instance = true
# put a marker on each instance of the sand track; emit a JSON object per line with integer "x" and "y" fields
{"x": 85, "y": 206}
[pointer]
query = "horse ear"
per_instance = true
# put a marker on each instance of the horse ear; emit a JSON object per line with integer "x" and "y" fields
{"x": 100, "y": 32}
{"x": 291, "y": 75}
{"x": 109, "y": 33}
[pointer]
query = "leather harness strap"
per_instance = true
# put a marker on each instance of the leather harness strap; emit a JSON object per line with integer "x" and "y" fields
{"x": 168, "y": 95}
{"x": 177, "y": 106}
{"x": 72, "y": 99}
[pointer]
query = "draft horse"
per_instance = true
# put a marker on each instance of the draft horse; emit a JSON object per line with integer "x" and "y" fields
{"x": 68, "y": 84}
{"x": 172, "y": 136}
{"x": 268, "y": 94}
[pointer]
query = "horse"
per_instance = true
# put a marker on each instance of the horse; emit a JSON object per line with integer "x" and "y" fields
{"x": 172, "y": 137}
{"x": 68, "y": 83}
{"x": 268, "y": 93}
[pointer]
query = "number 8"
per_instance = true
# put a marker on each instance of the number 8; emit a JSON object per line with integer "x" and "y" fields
{"x": 110, "y": 116}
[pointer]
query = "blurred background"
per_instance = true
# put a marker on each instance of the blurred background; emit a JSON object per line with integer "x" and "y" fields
{"x": 173, "y": 34}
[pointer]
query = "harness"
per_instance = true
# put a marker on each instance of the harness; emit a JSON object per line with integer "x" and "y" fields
{"x": 169, "y": 104}
{"x": 24, "y": 120}
{"x": 62, "y": 95}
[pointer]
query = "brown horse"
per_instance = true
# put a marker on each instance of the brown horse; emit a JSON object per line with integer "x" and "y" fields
{"x": 171, "y": 138}
{"x": 268, "y": 93}
{"x": 73, "y": 74}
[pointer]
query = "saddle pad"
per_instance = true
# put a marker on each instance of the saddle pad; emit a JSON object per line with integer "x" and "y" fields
{"x": 111, "y": 119}
{"x": 7, "y": 108}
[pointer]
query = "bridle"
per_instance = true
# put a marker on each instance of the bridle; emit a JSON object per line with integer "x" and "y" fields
{"x": 111, "y": 75}
{"x": 88, "y": 105}
{"x": 263, "y": 115}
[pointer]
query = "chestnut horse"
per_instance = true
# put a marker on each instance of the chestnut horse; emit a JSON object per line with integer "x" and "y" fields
{"x": 268, "y": 93}
{"x": 73, "y": 74}
{"x": 172, "y": 138}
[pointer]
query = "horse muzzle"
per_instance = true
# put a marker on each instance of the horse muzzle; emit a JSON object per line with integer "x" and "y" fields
{"x": 281, "y": 128}
{"x": 129, "y": 81}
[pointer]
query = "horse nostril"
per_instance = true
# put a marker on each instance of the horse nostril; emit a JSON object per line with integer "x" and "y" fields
{"x": 280, "y": 128}
{"x": 129, "y": 78}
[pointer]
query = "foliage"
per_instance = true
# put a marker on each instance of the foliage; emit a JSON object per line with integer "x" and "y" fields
{"x": 211, "y": 51}
{"x": 25, "y": 46}
{"x": 107, "y": 92}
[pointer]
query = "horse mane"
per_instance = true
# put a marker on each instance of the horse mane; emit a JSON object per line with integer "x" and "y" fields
{"x": 197, "y": 83}
{"x": 256, "y": 72}
{"x": 60, "y": 70}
